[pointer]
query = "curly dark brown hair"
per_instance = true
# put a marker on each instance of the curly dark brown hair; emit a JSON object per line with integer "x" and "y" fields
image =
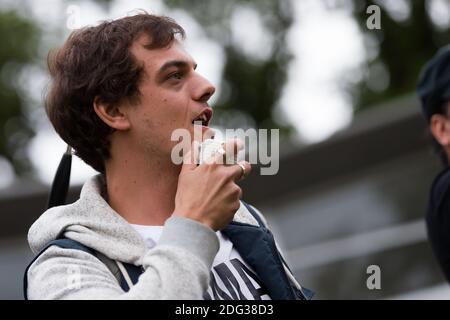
{"x": 97, "y": 62}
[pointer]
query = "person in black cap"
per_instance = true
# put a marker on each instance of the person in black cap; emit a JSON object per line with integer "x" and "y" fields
{"x": 434, "y": 92}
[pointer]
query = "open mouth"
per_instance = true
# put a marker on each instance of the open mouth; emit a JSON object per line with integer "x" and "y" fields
{"x": 203, "y": 117}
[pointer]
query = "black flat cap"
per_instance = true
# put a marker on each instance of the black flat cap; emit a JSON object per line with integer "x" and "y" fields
{"x": 433, "y": 87}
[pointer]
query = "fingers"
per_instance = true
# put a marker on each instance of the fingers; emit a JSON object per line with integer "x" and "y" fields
{"x": 190, "y": 159}
{"x": 240, "y": 170}
{"x": 247, "y": 168}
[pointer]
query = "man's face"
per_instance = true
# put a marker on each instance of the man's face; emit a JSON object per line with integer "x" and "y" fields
{"x": 173, "y": 94}
{"x": 440, "y": 128}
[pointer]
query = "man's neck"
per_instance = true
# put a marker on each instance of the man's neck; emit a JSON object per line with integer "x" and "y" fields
{"x": 142, "y": 193}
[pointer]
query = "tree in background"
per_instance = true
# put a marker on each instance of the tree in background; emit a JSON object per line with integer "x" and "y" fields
{"x": 403, "y": 45}
{"x": 20, "y": 42}
{"x": 252, "y": 86}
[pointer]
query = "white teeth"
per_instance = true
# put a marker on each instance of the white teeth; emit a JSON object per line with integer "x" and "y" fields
{"x": 202, "y": 118}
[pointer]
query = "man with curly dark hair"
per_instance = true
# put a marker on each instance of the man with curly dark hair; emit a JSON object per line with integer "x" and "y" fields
{"x": 146, "y": 227}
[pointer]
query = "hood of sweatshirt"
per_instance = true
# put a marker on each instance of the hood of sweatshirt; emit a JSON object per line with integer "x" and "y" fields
{"x": 92, "y": 222}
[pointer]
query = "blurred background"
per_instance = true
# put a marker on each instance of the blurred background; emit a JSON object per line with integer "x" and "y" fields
{"x": 356, "y": 163}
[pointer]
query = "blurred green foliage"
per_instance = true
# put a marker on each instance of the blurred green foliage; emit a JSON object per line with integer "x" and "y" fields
{"x": 19, "y": 46}
{"x": 404, "y": 47}
{"x": 251, "y": 87}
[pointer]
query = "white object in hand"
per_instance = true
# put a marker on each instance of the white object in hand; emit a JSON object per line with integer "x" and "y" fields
{"x": 209, "y": 148}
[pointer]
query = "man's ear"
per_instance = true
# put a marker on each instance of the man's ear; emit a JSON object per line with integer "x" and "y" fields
{"x": 440, "y": 129}
{"x": 112, "y": 115}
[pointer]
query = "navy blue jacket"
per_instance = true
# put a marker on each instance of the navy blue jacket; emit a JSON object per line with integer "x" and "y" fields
{"x": 438, "y": 220}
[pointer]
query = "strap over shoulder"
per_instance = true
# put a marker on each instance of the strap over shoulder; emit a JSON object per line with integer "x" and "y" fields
{"x": 133, "y": 272}
{"x": 62, "y": 243}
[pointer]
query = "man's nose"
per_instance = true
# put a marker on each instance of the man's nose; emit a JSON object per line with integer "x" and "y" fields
{"x": 204, "y": 90}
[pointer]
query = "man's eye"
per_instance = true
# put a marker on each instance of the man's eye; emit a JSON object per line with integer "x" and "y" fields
{"x": 176, "y": 75}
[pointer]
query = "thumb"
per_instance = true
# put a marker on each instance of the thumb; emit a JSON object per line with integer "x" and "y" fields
{"x": 190, "y": 159}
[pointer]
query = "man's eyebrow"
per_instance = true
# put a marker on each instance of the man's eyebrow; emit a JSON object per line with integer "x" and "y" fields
{"x": 175, "y": 63}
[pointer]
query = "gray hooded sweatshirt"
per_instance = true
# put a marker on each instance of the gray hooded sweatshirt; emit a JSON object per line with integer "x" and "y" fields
{"x": 178, "y": 267}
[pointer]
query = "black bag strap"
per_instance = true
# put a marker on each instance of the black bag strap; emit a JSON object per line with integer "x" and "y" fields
{"x": 62, "y": 243}
{"x": 60, "y": 184}
{"x": 133, "y": 271}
